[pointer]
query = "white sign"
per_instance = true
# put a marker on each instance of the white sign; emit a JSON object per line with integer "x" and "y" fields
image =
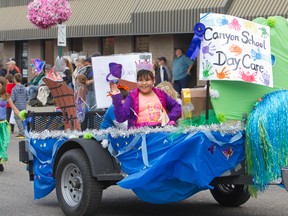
{"x": 235, "y": 49}
{"x": 61, "y": 39}
{"x": 101, "y": 69}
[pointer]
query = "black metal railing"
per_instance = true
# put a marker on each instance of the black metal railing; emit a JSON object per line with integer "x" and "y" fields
{"x": 55, "y": 121}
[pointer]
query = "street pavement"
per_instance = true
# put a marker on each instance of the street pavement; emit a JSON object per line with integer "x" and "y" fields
{"x": 16, "y": 192}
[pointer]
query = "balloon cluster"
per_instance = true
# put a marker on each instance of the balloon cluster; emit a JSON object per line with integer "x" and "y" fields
{"x": 47, "y": 13}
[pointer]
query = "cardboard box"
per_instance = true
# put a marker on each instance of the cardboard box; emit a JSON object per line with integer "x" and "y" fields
{"x": 197, "y": 96}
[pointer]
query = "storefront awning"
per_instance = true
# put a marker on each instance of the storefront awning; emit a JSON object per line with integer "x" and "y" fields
{"x": 250, "y": 10}
{"x": 99, "y": 18}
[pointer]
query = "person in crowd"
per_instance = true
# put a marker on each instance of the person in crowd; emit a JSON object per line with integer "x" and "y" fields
{"x": 161, "y": 73}
{"x": 16, "y": 67}
{"x": 145, "y": 105}
{"x": 165, "y": 65}
{"x": 19, "y": 97}
{"x": 4, "y": 125}
{"x": 155, "y": 65}
{"x": 80, "y": 69}
{"x": 182, "y": 66}
{"x": 43, "y": 93}
{"x": 168, "y": 88}
{"x": 81, "y": 91}
{"x": 33, "y": 85}
{"x": 80, "y": 94}
{"x": 91, "y": 100}
{"x": 11, "y": 67}
{"x": 9, "y": 86}
{"x": 3, "y": 71}
{"x": 109, "y": 119}
{"x": 68, "y": 73}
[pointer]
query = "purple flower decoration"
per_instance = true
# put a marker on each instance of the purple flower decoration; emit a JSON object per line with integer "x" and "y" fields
{"x": 47, "y": 13}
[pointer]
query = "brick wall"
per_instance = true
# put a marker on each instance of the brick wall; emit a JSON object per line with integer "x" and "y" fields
{"x": 162, "y": 45}
{"x": 91, "y": 45}
{"x": 123, "y": 45}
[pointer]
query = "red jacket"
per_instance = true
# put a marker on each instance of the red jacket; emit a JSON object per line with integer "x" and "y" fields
{"x": 9, "y": 88}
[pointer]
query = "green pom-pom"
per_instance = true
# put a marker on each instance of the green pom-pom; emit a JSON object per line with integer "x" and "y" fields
{"x": 87, "y": 136}
{"x": 221, "y": 117}
{"x": 271, "y": 21}
{"x": 22, "y": 114}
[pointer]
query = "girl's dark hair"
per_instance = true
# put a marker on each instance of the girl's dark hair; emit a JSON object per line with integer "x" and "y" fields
{"x": 146, "y": 74}
{"x": 3, "y": 94}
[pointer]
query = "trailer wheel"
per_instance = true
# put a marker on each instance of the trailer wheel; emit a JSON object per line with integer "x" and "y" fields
{"x": 230, "y": 195}
{"x": 78, "y": 192}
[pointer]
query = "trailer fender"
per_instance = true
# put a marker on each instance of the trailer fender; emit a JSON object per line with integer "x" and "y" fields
{"x": 103, "y": 165}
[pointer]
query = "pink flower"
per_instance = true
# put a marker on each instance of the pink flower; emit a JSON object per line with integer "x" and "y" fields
{"x": 47, "y": 13}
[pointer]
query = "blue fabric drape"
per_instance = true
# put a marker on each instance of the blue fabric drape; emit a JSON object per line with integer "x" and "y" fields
{"x": 179, "y": 165}
{"x": 44, "y": 151}
{"x": 171, "y": 168}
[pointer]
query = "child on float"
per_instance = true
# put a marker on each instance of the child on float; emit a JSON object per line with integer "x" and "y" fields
{"x": 4, "y": 125}
{"x": 168, "y": 88}
{"x": 145, "y": 105}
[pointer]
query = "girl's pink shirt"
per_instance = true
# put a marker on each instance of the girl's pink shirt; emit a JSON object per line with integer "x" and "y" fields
{"x": 149, "y": 110}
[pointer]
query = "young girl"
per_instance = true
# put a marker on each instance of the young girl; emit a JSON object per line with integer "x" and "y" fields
{"x": 168, "y": 88}
{"x": 80, "y": 95}
{"x": 145, "y": 105}
{"x": 4, "y": 125}
{"x": 67, "y": 74}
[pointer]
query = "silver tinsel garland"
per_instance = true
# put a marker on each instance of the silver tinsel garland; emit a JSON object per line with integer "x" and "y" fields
{"x": 224, "y": 128}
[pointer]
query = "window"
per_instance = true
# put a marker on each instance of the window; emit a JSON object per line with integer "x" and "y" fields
{"x": 141, "y": 44}
{"x": 75, "y": 44}
{"x": 108, "y": 44}
{"x": 22, "y": 57}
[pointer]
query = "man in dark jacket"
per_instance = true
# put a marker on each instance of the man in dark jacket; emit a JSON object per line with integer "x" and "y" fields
{"x": 161, "y": 73}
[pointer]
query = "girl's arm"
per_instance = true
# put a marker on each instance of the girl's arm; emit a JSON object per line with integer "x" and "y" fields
{"x": 16, "y": 111}
{"x": 122, "y": 111}
{"x": 174, "y": 108}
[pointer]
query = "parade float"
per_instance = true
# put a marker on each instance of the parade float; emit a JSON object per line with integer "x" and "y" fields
{"x": 235, "y": 149}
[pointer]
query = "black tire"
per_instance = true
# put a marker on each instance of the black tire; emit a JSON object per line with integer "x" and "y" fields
{"x": 78, "y": 192}
{"x": 230, "y": 195}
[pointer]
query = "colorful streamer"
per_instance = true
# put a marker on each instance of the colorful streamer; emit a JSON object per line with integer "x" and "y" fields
{"x": 266, "y": 140}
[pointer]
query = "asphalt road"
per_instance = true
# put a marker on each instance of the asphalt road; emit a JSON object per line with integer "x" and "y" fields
{"x": 17, "y": 199}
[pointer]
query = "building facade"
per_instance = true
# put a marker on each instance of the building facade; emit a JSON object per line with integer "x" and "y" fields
{"x": 119, "y": 26}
